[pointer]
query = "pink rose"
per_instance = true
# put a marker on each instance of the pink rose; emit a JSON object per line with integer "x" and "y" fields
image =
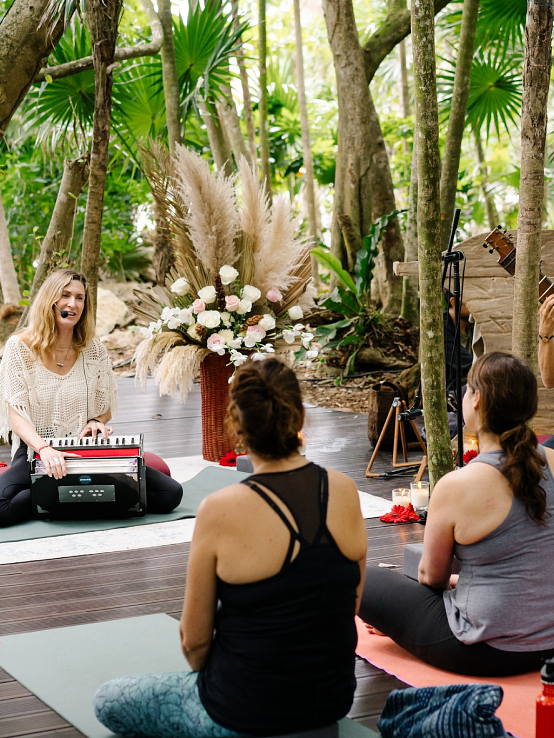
{"x": 231, "y": 303}
{"x": 198, "y": 306}
{"x": 255, "y": 334}
{"x": 274, "y": 295}
{"x": 216, "y": 343}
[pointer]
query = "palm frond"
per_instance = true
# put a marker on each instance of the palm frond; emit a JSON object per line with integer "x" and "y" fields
{"x": 245, "y": 263}
{"x": 149, "y": 301}
{"x": 301, "y": 291}
{"x": 212, "y": 219}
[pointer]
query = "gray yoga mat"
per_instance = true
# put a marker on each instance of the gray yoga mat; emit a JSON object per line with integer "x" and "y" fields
{"x": 195, "y": 490}
{"x": 64, "y": 667}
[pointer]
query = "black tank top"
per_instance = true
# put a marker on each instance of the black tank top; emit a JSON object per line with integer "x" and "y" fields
{"x": 282, "y": 659}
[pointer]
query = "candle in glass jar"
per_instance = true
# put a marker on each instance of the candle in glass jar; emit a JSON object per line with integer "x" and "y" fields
{"x": 401, "y": 496}
{"x": 419, "y": 495}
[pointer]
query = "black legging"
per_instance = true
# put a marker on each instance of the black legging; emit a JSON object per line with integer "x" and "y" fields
{"x": 414, "y": 616}
{"x": 163, "y": 493}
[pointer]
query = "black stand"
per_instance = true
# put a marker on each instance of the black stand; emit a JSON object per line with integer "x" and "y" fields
{"x": 454, "y": 258}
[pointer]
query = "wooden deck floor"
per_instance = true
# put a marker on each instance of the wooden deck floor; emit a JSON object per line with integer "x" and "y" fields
{"x": 86, "y": 589}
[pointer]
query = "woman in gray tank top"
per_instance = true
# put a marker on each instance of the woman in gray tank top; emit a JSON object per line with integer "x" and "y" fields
{"x": 496, "y": 516}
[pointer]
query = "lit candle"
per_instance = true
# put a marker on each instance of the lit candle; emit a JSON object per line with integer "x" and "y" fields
{"x": 401, "y": 496}
{"x": 420, "y": 495}
{"x": 471, "y": 442}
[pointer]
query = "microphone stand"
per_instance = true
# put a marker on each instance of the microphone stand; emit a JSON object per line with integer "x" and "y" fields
{"x": 453, "y": 258}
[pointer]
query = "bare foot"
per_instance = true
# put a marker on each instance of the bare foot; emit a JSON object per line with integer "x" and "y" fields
{"x": 373, "y": 631}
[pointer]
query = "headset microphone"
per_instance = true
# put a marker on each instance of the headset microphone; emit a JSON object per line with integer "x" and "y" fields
{"x": 63, "y": 313}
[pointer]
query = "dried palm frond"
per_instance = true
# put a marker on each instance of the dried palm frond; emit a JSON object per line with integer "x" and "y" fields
{"x": 152, "y": 302}
{"x": 213, "y": 217}
{"x": 300, "y": 276}
{"x": 254, "y": 209}
{"x": 245, "y": 263}
{"x": 279, "y": 250}
{"x": 159, "y": 169}
{"x": 178, "y": 368}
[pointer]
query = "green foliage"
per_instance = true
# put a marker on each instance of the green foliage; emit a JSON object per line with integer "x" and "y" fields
{"x": 351, "y": 296}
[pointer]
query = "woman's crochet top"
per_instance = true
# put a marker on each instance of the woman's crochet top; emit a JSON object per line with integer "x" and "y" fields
{"x": 55, "y": 405}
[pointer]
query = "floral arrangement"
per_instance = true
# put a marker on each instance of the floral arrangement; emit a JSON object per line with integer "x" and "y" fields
{"x": 242, "y": 275}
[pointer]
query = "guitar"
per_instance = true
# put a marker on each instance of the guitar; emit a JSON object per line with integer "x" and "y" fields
{"x": 502, "y": 243}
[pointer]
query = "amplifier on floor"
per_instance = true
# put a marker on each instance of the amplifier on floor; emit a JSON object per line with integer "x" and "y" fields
{"x": 107, "y": 482}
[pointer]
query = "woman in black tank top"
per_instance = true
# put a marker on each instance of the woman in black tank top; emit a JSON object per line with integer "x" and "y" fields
{"x": 274, "y": 580}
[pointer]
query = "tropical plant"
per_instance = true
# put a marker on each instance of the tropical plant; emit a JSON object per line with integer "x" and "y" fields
{"x": 352, "y": 295}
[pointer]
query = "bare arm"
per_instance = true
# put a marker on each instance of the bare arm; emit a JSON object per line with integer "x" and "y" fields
{"x": 546, "y": 347}
{"x": 435, "y": 566}
{"x": 197, "y": 622}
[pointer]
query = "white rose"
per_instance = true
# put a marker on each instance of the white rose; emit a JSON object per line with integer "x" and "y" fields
{"x": 192, "y": 332}
{"x": 226, "y": 335}
{"x": 209, "y": 318}
{"x": 208, "y": 294}
{"x": 245, "y": 306}
{"x": 225, "y": 318}
{"x": 152, "y": 328}
{"x": 267, "y": 322}
{"x": 180, "y": 286}
{"x": 235, "y": 343}
{"x": 251, "y": 293}
{"x": 295, "y": 312}
{"x": 228, "y": 274}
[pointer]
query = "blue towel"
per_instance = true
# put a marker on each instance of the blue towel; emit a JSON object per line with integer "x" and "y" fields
{"x": 451, "y": 711}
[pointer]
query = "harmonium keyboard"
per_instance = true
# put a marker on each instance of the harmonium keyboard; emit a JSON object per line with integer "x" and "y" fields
{"x": 107, "y": 482}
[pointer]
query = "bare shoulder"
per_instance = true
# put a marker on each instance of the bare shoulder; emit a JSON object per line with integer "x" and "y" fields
{"x": 549, "y": 457}
{"x": 224, "y": 504}
{"x": 341, "y": 482}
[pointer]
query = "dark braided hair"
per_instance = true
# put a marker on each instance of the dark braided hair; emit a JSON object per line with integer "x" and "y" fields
{"x": 509, "y": 400}
{"x": 265, "y": 408}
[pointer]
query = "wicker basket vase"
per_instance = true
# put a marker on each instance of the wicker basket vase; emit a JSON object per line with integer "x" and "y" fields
{"x": 214, "y": 388}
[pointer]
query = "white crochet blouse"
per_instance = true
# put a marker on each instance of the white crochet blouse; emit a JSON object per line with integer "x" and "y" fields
{"x": 55, "y": 405}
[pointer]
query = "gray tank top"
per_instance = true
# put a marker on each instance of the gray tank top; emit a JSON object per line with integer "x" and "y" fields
{"x": 506, "y": 588}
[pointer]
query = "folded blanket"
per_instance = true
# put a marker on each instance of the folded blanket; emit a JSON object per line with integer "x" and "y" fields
{"x": 450, "y": 711}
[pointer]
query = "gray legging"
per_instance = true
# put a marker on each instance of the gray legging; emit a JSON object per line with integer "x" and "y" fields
{"x": 414, "y": 616}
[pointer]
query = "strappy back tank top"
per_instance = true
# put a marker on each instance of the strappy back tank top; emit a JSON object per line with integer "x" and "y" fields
{"x": 506, "y": 588}
{"x": 282, "y": 659}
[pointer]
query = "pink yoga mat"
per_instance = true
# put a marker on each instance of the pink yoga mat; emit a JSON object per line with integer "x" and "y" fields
{"x": 517, "y": 710}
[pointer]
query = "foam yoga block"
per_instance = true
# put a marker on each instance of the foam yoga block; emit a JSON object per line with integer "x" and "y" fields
{"x": 64, "y": 667}
{"x": 412, "y": 556}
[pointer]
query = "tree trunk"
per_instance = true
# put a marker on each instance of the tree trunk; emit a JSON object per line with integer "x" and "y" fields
{"x": 404, "y": 80}
{"x": 352, "y": 205}
{"x": 456, "y": 121}
{"x": 25, "y": 44}
{"x": 410, "y": 298}
{"x": 536, "y": 82}
{"x": 8, "y": 276}
{"x": 60, "y": 231}
{"x": 383, "y": 202}
{"x": 262, "y": 107}
{"x": 216, "y": 136}
{"x": 246, "y": 99}
{"x": 429, "y": 231}
{"x": 103, "y": 20}
{"x": 170, "y": 77}
{"x": 309, "y": 189}
{"x": 492, "y": 213}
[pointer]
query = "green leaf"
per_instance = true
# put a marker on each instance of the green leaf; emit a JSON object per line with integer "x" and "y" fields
{"x": 333, "y": 264}
{"x": 48, "y": 78}
{"x": 25, "y": 302}
{"x": 329, "y": 331}
{"x": 351, "y": 361}
{"x": 365, "y": 257}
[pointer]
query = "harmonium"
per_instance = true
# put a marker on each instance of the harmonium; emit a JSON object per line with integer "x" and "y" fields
{"x": 107, "y": 482}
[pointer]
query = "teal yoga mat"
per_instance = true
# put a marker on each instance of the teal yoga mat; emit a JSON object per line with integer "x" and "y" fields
{"x": 195, "y": 490}
{"x": 64, "y": 667}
